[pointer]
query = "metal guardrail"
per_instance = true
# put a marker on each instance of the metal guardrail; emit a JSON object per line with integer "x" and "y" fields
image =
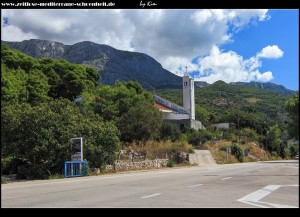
{"x": 76, "y": 168}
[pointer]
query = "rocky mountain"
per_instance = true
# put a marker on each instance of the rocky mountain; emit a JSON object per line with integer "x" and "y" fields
{"x": 113, "y": 64}
{"x": 120, "y": 65}
{"x": 267, "y": 86}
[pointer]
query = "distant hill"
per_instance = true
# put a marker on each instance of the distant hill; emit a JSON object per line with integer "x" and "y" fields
{"x": 119, "y": 65}
{"x": 267, "y": 86}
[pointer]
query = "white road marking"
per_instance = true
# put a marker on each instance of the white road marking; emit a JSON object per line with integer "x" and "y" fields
{"x": 254, "y": 197}
{"x": 227, "y": 178}
{"x": 152, "y": 195}
{"x": 260, "y": 170}
{"x": 194, "y": 185}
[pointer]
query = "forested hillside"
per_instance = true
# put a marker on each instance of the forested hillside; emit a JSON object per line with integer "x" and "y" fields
{"x": 244, "y": 106}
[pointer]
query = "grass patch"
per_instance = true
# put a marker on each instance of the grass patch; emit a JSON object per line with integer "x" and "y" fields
{"x": 220, "y": 157}
{"x": 3, "y": 180}
{"x": 56, "y": 176}
{"x": 163, "y": 149}
{"x": 256, "y": 153}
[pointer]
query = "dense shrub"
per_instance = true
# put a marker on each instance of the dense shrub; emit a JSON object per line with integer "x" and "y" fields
{"x": 237, "y": 152}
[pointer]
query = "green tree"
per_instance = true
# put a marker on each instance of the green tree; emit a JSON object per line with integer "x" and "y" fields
{"x": 13, "y": 84}
{"x": 274, "y": 140}
{"x": 140, "y": 123}
{"x": 169, "y": 132}
{"x": 202, "y": 115}
{"x": 37, "y": 86}
{"x": 292, "y": 107}
{"x": 39, "y": 136}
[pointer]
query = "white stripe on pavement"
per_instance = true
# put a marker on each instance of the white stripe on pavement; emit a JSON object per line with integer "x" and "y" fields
{"x": 227, "y": 178}
{"x": 254, "y": 197}
{"x": 194, "y": 185}
{"x": 152, "y": 195}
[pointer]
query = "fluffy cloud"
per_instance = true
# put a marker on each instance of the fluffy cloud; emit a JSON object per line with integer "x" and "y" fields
{"x": 172, "y": 37}
{"x": 230, "y": 67}
{"x": 13, "y": 33}
{"x": 166, "y": 35}
{"x": 271, "y": 52}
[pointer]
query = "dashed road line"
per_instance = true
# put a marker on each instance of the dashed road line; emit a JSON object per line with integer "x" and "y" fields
{"x": 152, "y": 195}
{"x": 227, "y": 178}
{"x": 194, "y": 185}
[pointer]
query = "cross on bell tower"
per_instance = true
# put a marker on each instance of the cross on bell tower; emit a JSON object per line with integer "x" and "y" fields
{"x": 186, "y": 73}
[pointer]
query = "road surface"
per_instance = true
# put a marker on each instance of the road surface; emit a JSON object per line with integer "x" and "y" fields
{"x": 258, "y": 184}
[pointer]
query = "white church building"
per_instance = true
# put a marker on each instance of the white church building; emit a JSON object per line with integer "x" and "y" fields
{"x": 182, "y": 116}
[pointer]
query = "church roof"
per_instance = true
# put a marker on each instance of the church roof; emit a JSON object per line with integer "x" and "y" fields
{"x": 162, "y": 108}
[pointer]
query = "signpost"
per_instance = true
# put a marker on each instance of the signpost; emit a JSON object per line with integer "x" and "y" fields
{"x": 76, "y": 150}
{"x": 76, "y": 167}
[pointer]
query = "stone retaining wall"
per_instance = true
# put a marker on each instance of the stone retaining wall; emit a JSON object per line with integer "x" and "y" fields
{"x": 141, "y": 165}
{"x": 193, "y": 159}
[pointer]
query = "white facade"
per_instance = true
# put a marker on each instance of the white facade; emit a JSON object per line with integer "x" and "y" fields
{"x": 189, "y": 95}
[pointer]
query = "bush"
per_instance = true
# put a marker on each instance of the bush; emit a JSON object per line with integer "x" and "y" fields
{"x": 286, "y": 152}
{"x": 230, "y": 136}
{"x": 3, "y": 181}
{"x": 170, "y": 162}
{"x": 170, "y": 132}
{"x": 103, "y": 169}
{"x": 294, "y": 150}
{"x": 237, "y": 152}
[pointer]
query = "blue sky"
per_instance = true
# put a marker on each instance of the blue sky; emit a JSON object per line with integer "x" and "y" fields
{"x": 216, "y": 44}
{"x": 281, "y": 29}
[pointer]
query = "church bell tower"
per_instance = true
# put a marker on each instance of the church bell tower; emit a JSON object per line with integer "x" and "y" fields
{"x": 188, "y": 94}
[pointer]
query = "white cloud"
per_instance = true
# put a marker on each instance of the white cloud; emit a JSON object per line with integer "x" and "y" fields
{"x": 271, "y": 52}
{"x": 230, "y": 67}
{"x": 13, "y": 33}
{"x": 263, "y": 77}
{"x": 172, "y": 37}
{"x": 242, "y": 17}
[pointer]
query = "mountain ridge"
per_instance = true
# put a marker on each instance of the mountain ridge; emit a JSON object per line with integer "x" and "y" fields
{"x": 114, "y": 64}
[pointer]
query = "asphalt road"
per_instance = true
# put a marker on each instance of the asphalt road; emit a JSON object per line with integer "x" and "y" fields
{"x": 259, "y": 184}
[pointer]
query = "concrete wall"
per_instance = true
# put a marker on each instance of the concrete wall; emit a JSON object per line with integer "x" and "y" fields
{"x": 175, "y": 116}
{"x": 197, "y": 125}
{"x": 220, "y": 126}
